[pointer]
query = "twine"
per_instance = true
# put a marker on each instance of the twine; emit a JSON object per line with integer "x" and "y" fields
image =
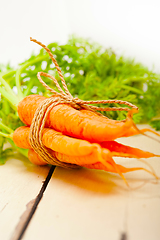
{"x": 38, "y": 122}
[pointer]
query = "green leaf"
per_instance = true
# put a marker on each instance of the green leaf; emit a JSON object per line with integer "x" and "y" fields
{"x": 155, "y": 124}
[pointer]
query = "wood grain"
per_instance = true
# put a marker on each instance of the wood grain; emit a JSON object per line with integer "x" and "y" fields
{"x": 20, "y": 182}
{"x": 83, "y": 204}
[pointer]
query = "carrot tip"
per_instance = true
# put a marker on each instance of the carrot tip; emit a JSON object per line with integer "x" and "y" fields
{"x": 102, "y": 160}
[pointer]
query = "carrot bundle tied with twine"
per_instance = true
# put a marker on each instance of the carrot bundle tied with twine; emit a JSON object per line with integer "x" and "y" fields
{"x": 63, "y": 96}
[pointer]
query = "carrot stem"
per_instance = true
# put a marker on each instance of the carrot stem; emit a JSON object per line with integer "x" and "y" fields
{"x": 135, "y": 79}
{"x": 10, "y": 140}
{"x": 19, "y": 71}
{"x": 10, "y": 97}
{"x": 3, "y": 126}
{"x": 5, "y": 135}
{"x": 7, "y": 74}
{"x": 27, "y": 90}
{"x": 24, "y": 152}
{"x": 6, "y": 85}
{"x": 132, "y": 89}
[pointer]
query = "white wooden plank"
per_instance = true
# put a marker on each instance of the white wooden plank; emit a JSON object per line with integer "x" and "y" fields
{"x": 20, "y": 182}
{"x": 88, "y": 204}
{"x": 143, "y": 206}
{"x": 76, "y": 206}
{"x": 144, "y": 218}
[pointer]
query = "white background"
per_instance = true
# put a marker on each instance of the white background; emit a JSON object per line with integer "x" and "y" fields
{"x": 131, "y": 28}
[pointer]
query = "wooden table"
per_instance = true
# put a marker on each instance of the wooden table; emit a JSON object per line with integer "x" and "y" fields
{"x": 81, "y": 204}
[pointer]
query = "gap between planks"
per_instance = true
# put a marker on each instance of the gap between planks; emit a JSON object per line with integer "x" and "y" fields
{"x": 31, "y": 208}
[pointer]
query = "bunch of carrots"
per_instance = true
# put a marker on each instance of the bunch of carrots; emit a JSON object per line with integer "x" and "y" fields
{"x": 81, "y": 137}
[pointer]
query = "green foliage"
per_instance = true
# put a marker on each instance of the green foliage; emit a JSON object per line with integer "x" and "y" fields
{"x": 5, "y": 154}
{"x": 155, "y": 124}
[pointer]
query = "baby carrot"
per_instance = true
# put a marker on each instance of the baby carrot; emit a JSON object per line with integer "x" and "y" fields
{"x": 97, "y": 155}
{"x": 73, "y": 122}
{"x": 55, "y": 141}
{"x": 134, "y": 131}
{"x": 66, "y": 149}
{"x": 118, "y": 148}
{"x": 35, "y": 158}
{"x": 81, "y": 160}
{"x": 100, "y": 166}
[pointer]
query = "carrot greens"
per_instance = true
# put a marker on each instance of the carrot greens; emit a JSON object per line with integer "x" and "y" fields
{"x": 91, "y": 72}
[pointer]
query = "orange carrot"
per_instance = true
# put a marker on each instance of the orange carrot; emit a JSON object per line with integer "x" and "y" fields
{"x": 134, "y": 131}
{"x": 73, "y": 122}
{"x": 130, "y": 132}
{"x": 101, "y": 159}
{"x": 82, "y": 124}
{"x": 97, "y": 155}
{"x": 114, "y": 146}
{"x": 55, "y": 141}
{"x": 100, "y": 166}
{"x": 35, "y": 158}
{"x": 75, "y": 151}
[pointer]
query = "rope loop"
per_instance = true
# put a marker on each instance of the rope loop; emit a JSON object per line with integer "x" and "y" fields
{"x": 76, "y": 102}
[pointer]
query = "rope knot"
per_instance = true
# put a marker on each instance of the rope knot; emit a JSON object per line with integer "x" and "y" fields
{"x": 78, "y": 102}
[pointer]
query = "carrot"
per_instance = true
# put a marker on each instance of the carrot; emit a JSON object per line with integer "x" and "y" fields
{"x": 101, "y": 159}
{"x": 73, "y": 122}
{"x": 116, "y": 147}
{"x": 35, "y": 158}
{"x": 100, "y": 166}
{"x": 97, "y": 155}
{"x": 134, "y": 131}
{"x": 82, "y": 124}
{"x": 74, "y": 151}
{"x": 55, "y": 141}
